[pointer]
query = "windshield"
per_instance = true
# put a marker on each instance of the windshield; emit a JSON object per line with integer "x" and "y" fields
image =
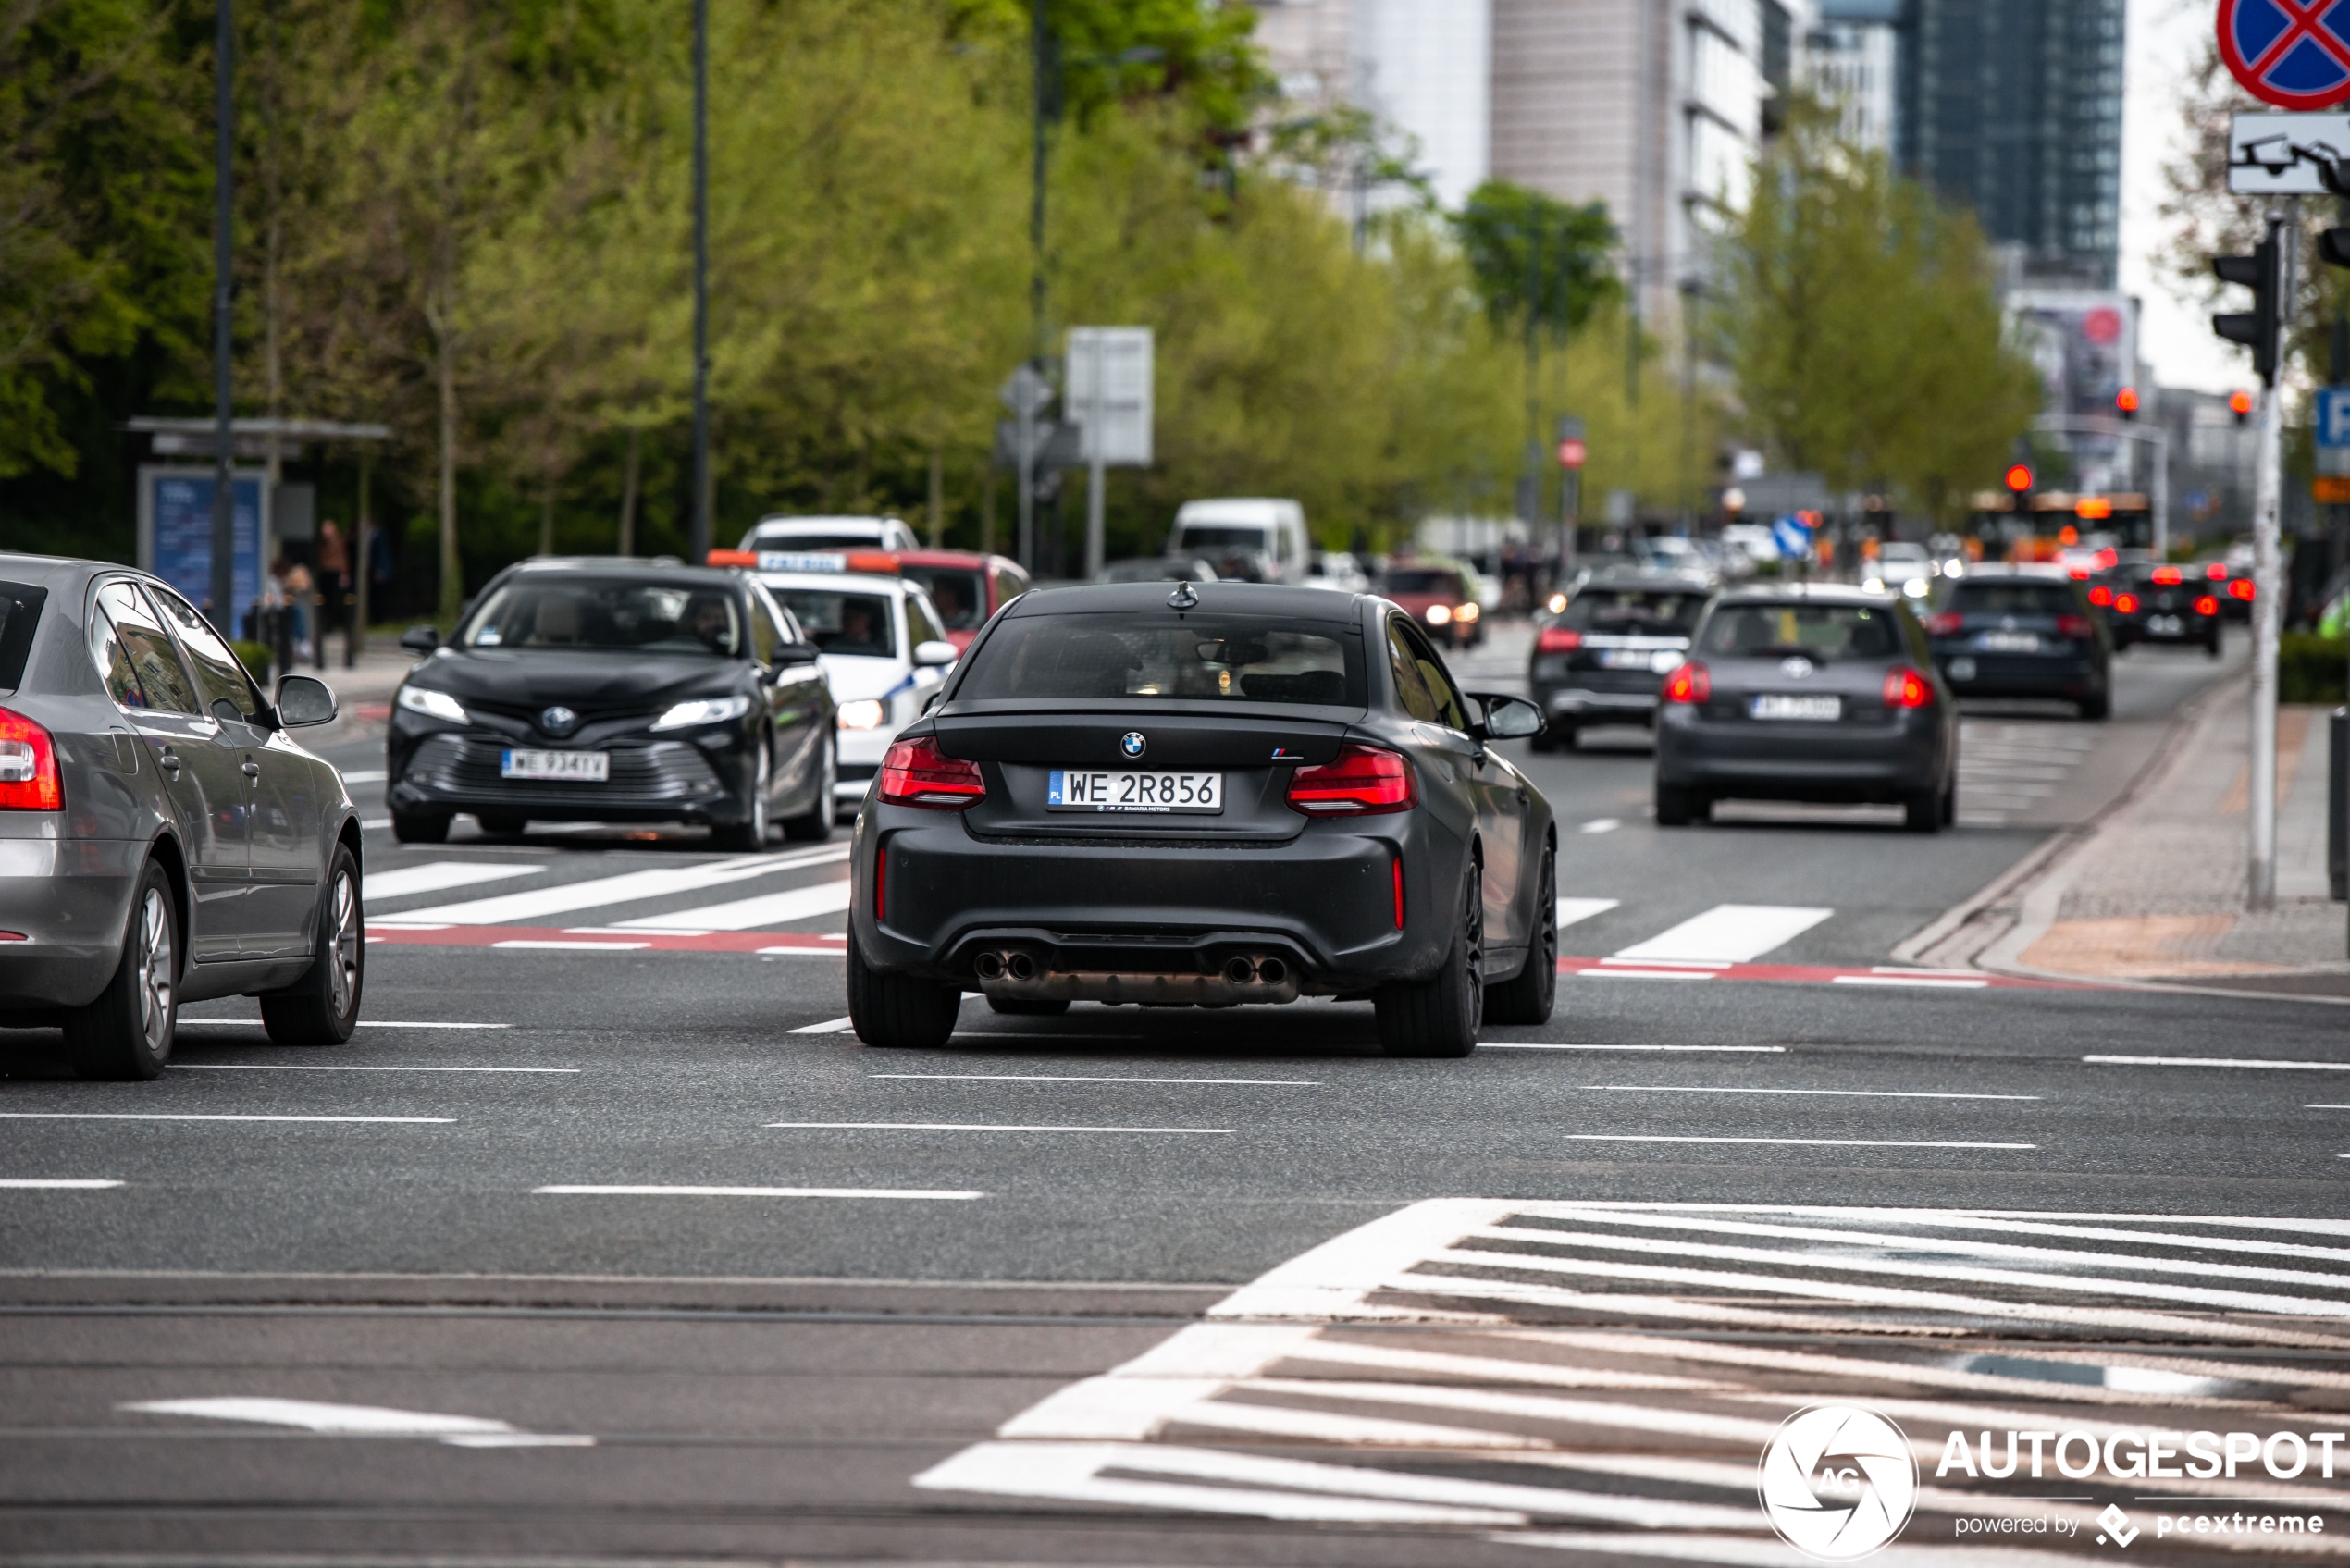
{"x": 1421, "y": 580}
{"x": 607, "y": 614}
{"x": 1633, "y": 611}
{"x": 1816, "y": 631}
{"x": 1234, "y": 659}
{"x": 857, "y": 625}
{"x": 960, "y": 592}
{"x": 2012, "y": 598}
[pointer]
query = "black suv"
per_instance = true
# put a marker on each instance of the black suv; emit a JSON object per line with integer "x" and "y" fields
{"x": 1604, "y": 658}
{"x": 2023, "y": 632}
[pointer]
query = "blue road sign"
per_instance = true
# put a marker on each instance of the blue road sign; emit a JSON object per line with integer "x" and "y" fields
{"x": 2295, "y": 55}
{"x": 1795, "y": 540}
{"x": 2333, "y": 417}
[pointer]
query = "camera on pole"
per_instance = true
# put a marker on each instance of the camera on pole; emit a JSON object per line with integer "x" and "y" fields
{"x": 2256, "y": 328}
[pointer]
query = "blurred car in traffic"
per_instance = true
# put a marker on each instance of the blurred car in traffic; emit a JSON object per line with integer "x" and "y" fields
{"x": 829, "y": 533}
{"x": 1338, "y": 570}
{"x": 1670, "y": 552}
{"x": 1900, "y": 567}
{"x": 1158, "y": 569}
{"x": 1808, "y": 692}
{"x": 1440, "y": 595}
{"x": 2158, "y": 604}
{"x": 606, "y": 689}
{"x": 2023, "y": 632}
{"x": 1063, "y": 825}
{"x": 2231, "y": 580}
{"x": 167, "y": 840}
{"x": 965, "y": 587}
{"x": 1602, "y": 657}
{"x": 1267, "y": 532}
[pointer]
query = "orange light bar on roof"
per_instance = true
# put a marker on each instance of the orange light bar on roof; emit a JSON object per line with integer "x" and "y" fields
{"x": 880, "y": 561}
{"x": 732, "y": 558}
{"x": 2093, "y": 508}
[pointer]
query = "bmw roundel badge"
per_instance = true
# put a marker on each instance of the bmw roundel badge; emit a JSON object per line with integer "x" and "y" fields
{"x": 1132, "y": 744}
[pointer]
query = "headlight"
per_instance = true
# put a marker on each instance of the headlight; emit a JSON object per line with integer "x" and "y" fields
{"x": 1438, "y": 614}
{"x": 1466, "y": 612}
{"x": 438, "y": 704}
{"x": 864, "y": 714}
{"x": 703, "y": 711}
{"x": 1914, "y": 588}
{"x": 1556, "y": 602}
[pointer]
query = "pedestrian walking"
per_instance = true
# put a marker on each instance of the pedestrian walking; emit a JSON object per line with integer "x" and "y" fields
{"x": 334, "y": 585}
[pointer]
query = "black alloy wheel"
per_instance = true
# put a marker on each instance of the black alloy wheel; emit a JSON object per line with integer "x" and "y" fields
{"x": 322, "y": 1007}
{"x": 420, "y": 827}
{"x": 815, "y": 824}
{"x": 127, "y": 1033}
{"x": 898, "y": 1012}
{"x": 1528, "y": 996}
{"x": 1439, "y": 1016}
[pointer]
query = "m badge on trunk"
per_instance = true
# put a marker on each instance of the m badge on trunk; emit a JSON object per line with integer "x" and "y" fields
{"x": 1132, "y": 744}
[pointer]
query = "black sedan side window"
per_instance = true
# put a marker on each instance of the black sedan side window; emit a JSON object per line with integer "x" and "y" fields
{"x": 1411, "y": 690}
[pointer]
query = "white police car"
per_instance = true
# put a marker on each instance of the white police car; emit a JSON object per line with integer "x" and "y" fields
{"x": 883, "y": 646}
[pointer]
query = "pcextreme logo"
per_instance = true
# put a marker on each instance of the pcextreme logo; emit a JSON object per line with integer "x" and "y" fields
{"x": 1837, "y": 1481}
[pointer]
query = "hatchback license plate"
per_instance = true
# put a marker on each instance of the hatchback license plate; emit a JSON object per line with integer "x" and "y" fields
{"x": 1813, "y": 708}
{"x": 2009, "y": 642}
{"x": 576, "y": 767}
{"x": 1627, "y": 658}
{"x": 1072, "y": 789}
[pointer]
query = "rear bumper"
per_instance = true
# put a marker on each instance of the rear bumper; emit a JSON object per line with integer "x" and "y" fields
{"x": 70, "y": 902}
{"x": 2012, "y": 674}
{"x": 1800, "y": 761}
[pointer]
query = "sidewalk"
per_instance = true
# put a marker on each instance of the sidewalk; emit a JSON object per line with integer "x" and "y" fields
{"x": 2157, "y": 891}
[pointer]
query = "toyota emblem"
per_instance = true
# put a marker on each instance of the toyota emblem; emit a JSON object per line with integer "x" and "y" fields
{"x": 1132, "y": 744}
{"x": 1795, "y": 668}
{"x": 558, "y": 721}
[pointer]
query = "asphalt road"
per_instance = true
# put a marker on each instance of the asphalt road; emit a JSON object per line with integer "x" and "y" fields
{"x": 861, "y": 1305}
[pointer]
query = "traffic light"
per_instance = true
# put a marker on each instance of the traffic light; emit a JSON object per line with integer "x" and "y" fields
{"x": 2126, "y": 400}
{"x": 2240, "y": 404}
{"x": 2255, "y": 328}
{"x": 2018, "y": 482}
{"x": 2334, "y": 247}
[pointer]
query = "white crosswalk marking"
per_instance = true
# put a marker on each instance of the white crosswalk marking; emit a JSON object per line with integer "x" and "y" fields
{"x": 1733, "y": 933}
{"x": 1574, "y": 909}
{"x": 521, "y": 908}
{"x": 436, "y": 876}
{"x": 2005, "y": 768}
{"x": 748, "y": 914}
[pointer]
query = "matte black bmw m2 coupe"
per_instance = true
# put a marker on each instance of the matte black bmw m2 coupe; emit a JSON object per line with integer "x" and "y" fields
{"x": 1219, "y": 794}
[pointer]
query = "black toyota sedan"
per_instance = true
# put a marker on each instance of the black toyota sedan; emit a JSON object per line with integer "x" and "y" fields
{"x": 1808, "y": 692}
{"x": 2023, "y": 632}
{"x": 1226, "y": 793}
{"x": 1602, "y": 659}
{"x": 615, "y": 691}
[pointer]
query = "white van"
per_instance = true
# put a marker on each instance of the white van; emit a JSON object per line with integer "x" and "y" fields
{"x": 820, "y": 534}
{"x": 1255, "y": 525}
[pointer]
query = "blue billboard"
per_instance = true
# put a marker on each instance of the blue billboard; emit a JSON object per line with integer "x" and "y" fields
{"x": 181, "y": 544}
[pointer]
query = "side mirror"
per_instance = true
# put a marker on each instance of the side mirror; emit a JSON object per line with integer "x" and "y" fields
{"x": 790, "y": 653}
{"x": 304, "y": 699}
{"x": 1508, "y": 718}
{"x": 420, "y": 639}
{"x": 933, "y": 654}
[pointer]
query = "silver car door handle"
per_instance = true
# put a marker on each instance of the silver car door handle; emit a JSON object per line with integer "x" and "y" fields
{"x": 170, "y": 761}
{"x": 253, "y": 770}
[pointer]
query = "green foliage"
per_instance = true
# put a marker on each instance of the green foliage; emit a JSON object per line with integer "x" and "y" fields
{"x": 1527, "y": 249}
{"x": 256, "y": 656}
{"x": 2311, "y": 668}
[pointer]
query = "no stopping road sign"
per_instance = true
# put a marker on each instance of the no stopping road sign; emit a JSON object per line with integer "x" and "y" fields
{"x": 2288, "y": 53}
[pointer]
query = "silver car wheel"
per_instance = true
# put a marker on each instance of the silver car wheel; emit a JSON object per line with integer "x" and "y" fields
{"x": 155, "y": 968}
{"x": 345, "y": 957}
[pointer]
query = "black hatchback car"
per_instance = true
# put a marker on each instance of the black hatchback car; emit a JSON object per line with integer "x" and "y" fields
{"x": 1604, "y": 658}
{"x": 2173, "y": 605}
{"x": 1808, "y": 692}
{"x": 2023, "y": 632}
{"x": 1228, "y": 792}
{"x": 615, "y": 691}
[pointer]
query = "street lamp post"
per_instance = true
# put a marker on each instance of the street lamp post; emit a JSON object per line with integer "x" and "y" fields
{"x": 224, "y": 452}
{"x": 698, "y": 539}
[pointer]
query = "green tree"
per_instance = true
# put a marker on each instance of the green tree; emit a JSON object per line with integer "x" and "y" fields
{"x": 1530, "y": 251}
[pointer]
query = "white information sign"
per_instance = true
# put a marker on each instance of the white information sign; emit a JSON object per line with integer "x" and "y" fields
{"x": 2275, "y": 154}
{"x": 1109, "y": 394}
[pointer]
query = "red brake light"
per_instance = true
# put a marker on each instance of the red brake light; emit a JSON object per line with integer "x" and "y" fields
{"x": 28, "y": 766}
{"x": 2080, "y": 574}
{"x": 1399, "y": 892}
{"x": 2072, "y": 626}
{"x": 1361, "y": 781}
{"x": 2100, "y": 596}
{"x": 1558, "y": 639}
{"x": 2241, "y": 588}
{"x": 1691, "y": 682}
{"x": 2207, "y": 605}
{"x": 1906, "y": 689}
{"x": 1944, "y": 623}
{"x": 2126, "y": 603}
{"x": 915, "y": 773}
{"x": 2167, "y": 575}
{"x": 2216, "y": 572}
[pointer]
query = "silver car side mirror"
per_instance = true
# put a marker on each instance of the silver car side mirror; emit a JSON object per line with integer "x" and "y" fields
{"x": 304, "y": 699}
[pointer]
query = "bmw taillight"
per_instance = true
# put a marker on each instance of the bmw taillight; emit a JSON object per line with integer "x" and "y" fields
{"x": 2126, "y": 603}
{"x": 1906, "y": 689}
{"x": 1691, "y": 682}
{"x": 1944, "y": 623}
{"x": 28, "y": 766}
{"x": 915, "y": 773}
{"x": 2207, "y": 605}
{"x": 1361, "y": 781}
{"x": 1558, "y": 639}
{"x": 2101, "y": 596}
{"x": 2241, "y": 588}
{"x": 2074, "y": 626}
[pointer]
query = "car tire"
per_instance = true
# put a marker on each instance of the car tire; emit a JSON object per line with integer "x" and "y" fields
{"x": 815, "y": 824}
{"x": 127, "y": 1032}
{"x": 1439, "y": 1016}
{"x": 1025, "y": 1007}
{"x": 2096, "y": 708}
{"x": 898, "y": 1012}
{"x": 503, "y": 825}
{"x": 420, "y": 827}
{"x": 2211, "y": 645}
{"x": 322, "y": 1007}
{"x": 1951, "y": 804}
{"x": 1528, "y": 997}
{"x": 1921, "y": 812}
{"x": 749, "y": 837}
{"x": 1677, "y": 806}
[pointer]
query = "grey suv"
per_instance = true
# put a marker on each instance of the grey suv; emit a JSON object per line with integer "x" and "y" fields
{"x": 163, "y": 839}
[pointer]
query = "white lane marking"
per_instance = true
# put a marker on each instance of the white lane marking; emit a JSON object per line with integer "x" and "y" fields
{"x": 1922, "y": 981}
{"x": 360, "y": 1421}
{"x": 1670, "y": 963}
{"x": 747, "y": 914}
{"x": 405, "y": 881}
{"x": 1823, "y": 1143}
{"x": 2219, "y": 1062}
{"x": 1571, "y": 910}
{"x": 1601, "y": 824}
{"x": 363, "y": 1023}
{"x": 185, "y": 1116}
{"x": 2326, "y": 1107}
{"x": 1840, "y": 1093}
{"x": 1642, "y": 974}
{"x": 376, "y": 823}
{"x": 980, "y": 1126}
{"x": 55, "y": 1183}
{"x": 523, "y": 908}
{"x": 338, "y": 1067}
{"x": 1539, "y": 1046}
{"x": 1057, "y": 1077}
{"x": 1907, "y": 969}
{"x": 361, "y": 776}
{"x": 830, "y": 1026}
{"x": 1736, "y": 932}
{"x": 577, "y": 947}
{"x": 800, "y": 953}
{"x": 925, "y": 1194}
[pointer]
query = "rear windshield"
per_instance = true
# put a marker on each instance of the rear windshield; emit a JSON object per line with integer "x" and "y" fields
{"x": 1215, "y": 536}
{"x": 1208, "y": 658}
{"x": 2012, "y": 598}
{"x": 809, "y": 544}
{"x": 960, "y": 592}
{"x": 857, "y": 625}
{"x": 609, "y": 614}
{"x": 20, "y": 615}
{"x": 1420, "y": 580}
{"x": 1633, "y": 611}
{"x": 1817, "y": 631}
